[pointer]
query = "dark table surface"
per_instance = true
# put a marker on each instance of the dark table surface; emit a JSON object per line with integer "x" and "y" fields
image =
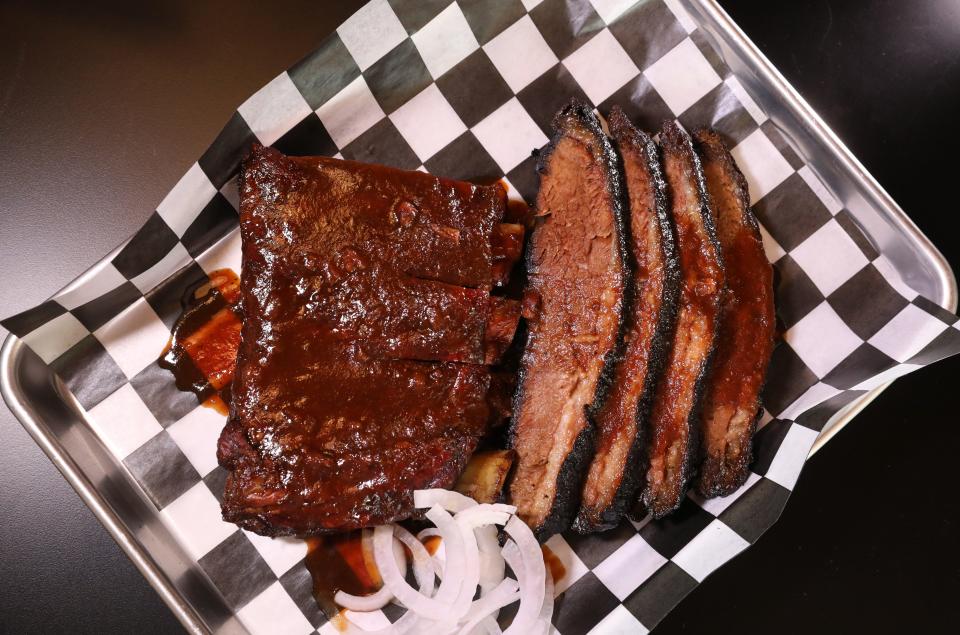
{"x": 104, "y": 104}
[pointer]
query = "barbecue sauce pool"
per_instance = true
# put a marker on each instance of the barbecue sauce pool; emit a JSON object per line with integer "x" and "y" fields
{"x": 202, "y": 351}
{"x": 553, "y": 563}
{"x": 336, "y": 563}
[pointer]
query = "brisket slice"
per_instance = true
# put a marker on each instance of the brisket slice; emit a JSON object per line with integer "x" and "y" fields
{"x": 674, "y": 422}
{"x": 577, "y": 282}
{"x": 616, "y": 472}
{"x": 745, "y": 339}
{"x": 353, "y": 276}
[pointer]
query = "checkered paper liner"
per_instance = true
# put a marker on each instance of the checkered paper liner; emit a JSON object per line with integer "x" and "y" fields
{"x": 467, "y": 89}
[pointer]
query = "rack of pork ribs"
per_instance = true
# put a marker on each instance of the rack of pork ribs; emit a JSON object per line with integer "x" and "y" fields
{"x": 372, "y": 324}
{"x": 650, "y": 318}
{"x": 368, "y": 333}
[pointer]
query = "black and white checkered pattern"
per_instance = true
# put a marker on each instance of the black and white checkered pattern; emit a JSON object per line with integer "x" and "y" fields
{"x": 466, "y": 92}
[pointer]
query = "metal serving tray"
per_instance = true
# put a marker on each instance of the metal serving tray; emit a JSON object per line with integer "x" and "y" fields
{"x": 56, "y": 421}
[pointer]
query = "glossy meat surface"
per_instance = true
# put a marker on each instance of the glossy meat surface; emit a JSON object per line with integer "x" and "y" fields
{"x": 674, "y": 424}
{"x": 359, "y": 284}
{"x": 573, "y": 301}
{"x": 616, "y": 471}
{"x": 394, "y": 315}
{"x": 745, "y": 339}
{"x": 343, "y": 441}
{"x": 202, "y": 353}
{"x": 312, "y": 208}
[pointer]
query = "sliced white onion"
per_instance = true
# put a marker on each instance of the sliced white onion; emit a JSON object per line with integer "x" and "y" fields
{"x": 422, "y": 562}
{"x": 466, "y": 521}
{"x": 366, "y": 550}
{"x": 526, "y": 560}
{"x": 490, "y": 626}
{"x": 429, "y": 532}
{"x": 447, "y": 499}
{"x": 437, "y": 559}
{"x": 438, "y": 563}
{"x": 492, "y": 565}
{"x": 482, "y": 518}
{"x": 382, "y": 596}
{"x": 409, "y": 622}
{"x": 513, "y": 557}
{"x": 485, "y": 514}
{"x": 393, "y": 578}
{"x": 545, "y": 619}
{"x": 507, "y": 592}
{"x": 471, "y": 558}
{"x": 364, "y": 603}
{"x": 455, "y": 551}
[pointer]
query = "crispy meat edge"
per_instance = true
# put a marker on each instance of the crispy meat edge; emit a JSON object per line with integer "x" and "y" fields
{"x": 625, "y": 133}
{"x": 673, "y": 138}
{"x": 722, "y": 154}
{"x": 570, "y": 477}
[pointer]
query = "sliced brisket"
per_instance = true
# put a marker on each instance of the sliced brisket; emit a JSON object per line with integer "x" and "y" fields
{"x": 674, "y": 422}
{"x": 616, "y": 471}
{"x": 576, "y": 290}
{"x": 745, "y": 340}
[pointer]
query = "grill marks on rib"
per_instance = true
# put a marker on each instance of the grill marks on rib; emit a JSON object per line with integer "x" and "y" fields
{"x": 616, "y": 471}
{"x": 573, "y": 304}
{"x": 365, "y": 290}
{"x": 674, "y": 422}
{"x": 745, "y": 340}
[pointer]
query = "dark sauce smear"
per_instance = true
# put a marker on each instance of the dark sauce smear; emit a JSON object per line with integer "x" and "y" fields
{"x": 336, "y": 563}
{"x": 554, "y": 563}
{"x": 202, "y": 351}
{"x": 518, "y": 214}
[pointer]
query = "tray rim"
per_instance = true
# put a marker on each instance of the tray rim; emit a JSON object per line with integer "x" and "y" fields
{"x": 12, "y": 357}
{"x": 825, "y": 135}
{"x": 13, "y": 352}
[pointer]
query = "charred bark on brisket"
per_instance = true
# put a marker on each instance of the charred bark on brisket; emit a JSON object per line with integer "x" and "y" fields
{"x": 578, "y": 282}
{"x": 745, "y": 339}
{"x": 674, "y": 422}
{"x": 617, "y": 469}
